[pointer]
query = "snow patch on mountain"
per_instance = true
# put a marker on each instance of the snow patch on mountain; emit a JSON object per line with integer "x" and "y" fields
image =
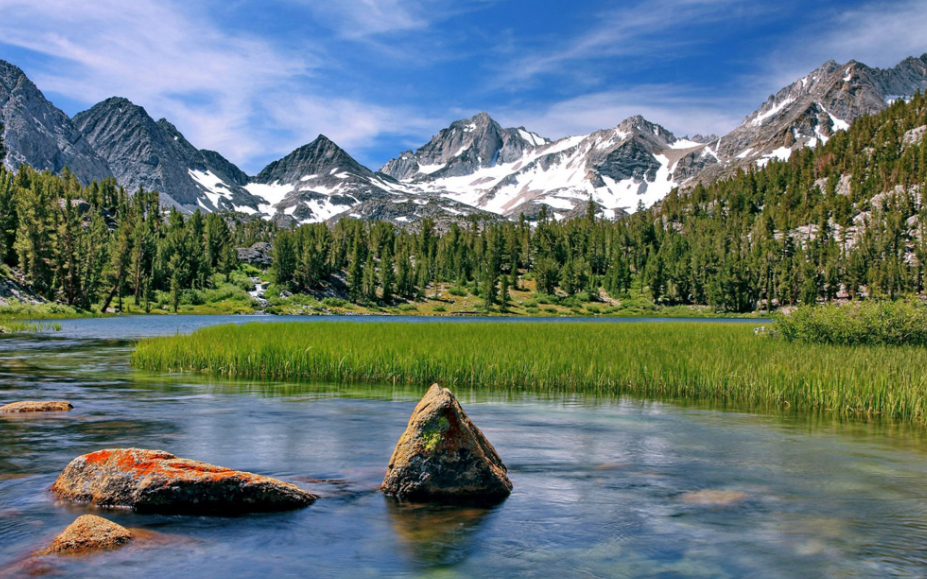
{"x": 762, "y": 117}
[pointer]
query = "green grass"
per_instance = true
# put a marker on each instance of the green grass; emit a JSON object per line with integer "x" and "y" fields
{"x": 49, "y": 311}
{"x": 13, "y": 326}
{"x": 887, "y": 323}
{"x": 723, "y": 364}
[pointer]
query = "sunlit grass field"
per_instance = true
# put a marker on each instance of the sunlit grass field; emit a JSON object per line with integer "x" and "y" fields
{"x": 722, "y": 363}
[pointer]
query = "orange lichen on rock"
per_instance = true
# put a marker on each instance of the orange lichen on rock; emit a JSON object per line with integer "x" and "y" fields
{"x": 88, "y": 533}
{"x": 36, "y": 406}
{"x": 442, "y": 456}
{"x": 154, "y": 480}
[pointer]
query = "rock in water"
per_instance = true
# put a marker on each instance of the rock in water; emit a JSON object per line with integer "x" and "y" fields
{"x": 88, "y": 533}
{"x": 443, "y": 457}
{"x": 36, "y": 406}
{"x": 154, "y": 480}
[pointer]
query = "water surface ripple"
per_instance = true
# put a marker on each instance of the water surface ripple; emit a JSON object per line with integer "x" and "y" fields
{"x": 603, "y": 487}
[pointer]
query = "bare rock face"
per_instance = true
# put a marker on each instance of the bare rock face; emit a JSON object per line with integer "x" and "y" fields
{"x": 38, "y": 134}
{"x": 443, "y": 457}
{"x": 36, "y": 406}
{"x": 154, "y": 480}
{"x": 88, "y": 533}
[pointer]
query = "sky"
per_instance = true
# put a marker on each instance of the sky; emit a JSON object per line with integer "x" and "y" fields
{"x": 254, "y": 79}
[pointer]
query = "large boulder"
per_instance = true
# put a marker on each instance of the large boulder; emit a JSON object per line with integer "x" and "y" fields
{"x": 259, "y": 254}
{"x": 88, "y": 533}
{"x": 36, "y": 406}
{"x": 154, "y": 480}
{"x": 443, "y": 457}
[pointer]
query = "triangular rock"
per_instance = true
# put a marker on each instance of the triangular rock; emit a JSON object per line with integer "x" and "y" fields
{"x": 443, "y": 457}
{"x": 89, "y": 533}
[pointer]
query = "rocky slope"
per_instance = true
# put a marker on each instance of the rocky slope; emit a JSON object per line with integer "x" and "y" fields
{"x": 635, "y": 162}
{"x": 462, "y": 149}
{"x": 155, "y": 156}
{"x": 40, "y": 135}
{"x": 321, "y": 182}
{"x": 812, "y": 109}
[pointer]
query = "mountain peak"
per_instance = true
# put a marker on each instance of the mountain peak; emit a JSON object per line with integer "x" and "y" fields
{"x": 323, "y": 141}
{"x": 640, "y": 124}
{"x": 320, "y": 157}
{"x": 116, "y": 101}
{"x": 38, "y": 134}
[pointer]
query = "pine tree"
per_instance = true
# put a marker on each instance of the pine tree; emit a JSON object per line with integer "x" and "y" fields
{"x": 369, "y": 281}
{"x": 504, "y": 297}
{"x": 356, "y": 274}
{"x": 284, "y": 260}
{"x": 387, "y": 275}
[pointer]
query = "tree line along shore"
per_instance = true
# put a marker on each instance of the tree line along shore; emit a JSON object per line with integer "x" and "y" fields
{"x": 838, "y": 222}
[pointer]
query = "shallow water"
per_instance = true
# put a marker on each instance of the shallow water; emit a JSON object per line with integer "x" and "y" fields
{"x": 603, "y": 488}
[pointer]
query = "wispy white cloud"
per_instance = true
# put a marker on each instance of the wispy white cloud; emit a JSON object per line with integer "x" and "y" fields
{"x": 256, "y": 95}
{"x": 649, "y": 28}
{"x": 355, "y": 126}
{"x": 238, "y": 94}
{"x": 682, "y": 110}
{"x": 358, "y": 18}
{"x": 876, "y": 33}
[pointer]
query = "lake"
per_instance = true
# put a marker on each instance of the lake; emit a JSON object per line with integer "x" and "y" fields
{"x": 604, "y": 487}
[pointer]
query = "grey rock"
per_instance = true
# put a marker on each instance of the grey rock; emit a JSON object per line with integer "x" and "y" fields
{"x": 155, "y": 156}
{"x": 260, "y": 254}
{"x": 38, "y": 134}
{"x": 443, "y": 457}
{"x": 914, "y": 136}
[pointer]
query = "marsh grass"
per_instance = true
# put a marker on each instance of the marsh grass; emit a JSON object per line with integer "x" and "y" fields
{"x": 725, "y": 364}
{"x": 13, "y": 326}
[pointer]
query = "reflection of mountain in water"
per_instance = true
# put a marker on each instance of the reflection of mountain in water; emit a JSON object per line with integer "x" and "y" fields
{"x": 437, "y": 535}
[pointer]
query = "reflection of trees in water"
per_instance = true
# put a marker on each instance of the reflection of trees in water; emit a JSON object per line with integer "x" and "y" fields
{"x": 437, "y": 535}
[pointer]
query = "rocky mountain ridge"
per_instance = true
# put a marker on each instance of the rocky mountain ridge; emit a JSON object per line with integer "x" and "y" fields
{"x": 473, "y": 168}
{"x": 38, "y": 134}
{"x": 155, "y": 156}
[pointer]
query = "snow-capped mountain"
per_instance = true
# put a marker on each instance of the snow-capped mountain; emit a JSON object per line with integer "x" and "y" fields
{"x": 462, "y": 149}
{"x": 321, "y": 182}
{"x": 316, "y": 182}
{"x": 475, "y": 167}
{"x": 810, "y": 110}
{"x": 40, "y": 135}
{"x": 154, "y": 155}
{"x": 635, "y": 162}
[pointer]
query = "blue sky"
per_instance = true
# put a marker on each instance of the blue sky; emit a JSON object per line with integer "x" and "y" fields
{"x": 254, "y": 79}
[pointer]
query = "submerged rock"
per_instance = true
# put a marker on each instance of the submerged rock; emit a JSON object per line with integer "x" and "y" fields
{"x": 154, "y": 480}
{"x": 715, "y": 498}
{"x": 36, "y": 406}
{"x": 88, "y": 533}
{"x": 443, "y": 457}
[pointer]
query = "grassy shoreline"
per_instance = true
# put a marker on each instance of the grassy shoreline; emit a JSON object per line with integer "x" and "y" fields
{"x": 721, "y": 363}
{"x": 61, "y": 312}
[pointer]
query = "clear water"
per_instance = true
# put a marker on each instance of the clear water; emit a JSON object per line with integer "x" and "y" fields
{"x": 603, "y": 488}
